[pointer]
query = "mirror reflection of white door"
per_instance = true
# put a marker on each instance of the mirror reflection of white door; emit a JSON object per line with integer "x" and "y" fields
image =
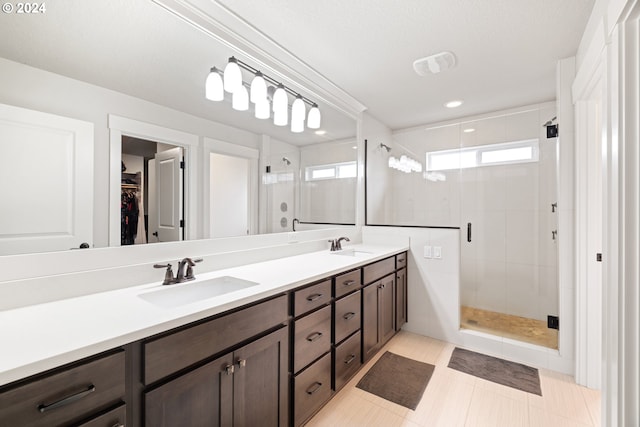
{"x": 46, "y": 171}
{"x": 229, "y": 195}
{"x": 165, "y": 196}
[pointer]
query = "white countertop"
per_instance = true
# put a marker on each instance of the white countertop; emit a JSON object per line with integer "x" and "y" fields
{"x": 40, "y": 337}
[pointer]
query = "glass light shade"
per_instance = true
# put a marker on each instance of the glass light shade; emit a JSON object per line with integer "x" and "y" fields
{"x": 258, "y": 91}
{"x": 313, "y": 120}
{"x": 262, "y": 109}
{"x": 298, "y": 111}
{"x": 213, "y": 86}
{"x": 232, "y": 76}
{"x": 240, "y": 99}
{"x": 280, "y": 100}
{"x": 297, "y": 126}
{"x": 280, "y": 118}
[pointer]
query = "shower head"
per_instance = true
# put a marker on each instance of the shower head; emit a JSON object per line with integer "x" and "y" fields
{"x": 287, "y": 161}
{"x": 549, "y": 122}
{"x": 386, "y": 147}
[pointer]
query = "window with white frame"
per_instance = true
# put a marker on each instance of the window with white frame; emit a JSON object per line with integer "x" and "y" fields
{"x": 484, "y": 155}
{"x": 331, "y": 171}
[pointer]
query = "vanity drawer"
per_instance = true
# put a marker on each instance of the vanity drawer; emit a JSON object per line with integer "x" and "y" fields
{"x": 170, "y": 353}
{"x": 67, "y": 396}
{"x": 375, "y": 271}
{"x": 347, "y": 360}
{"x": 312, "y": 388}
{"x": 115, "y": 418}
{"x": 312, "y": 337}
{"x": 311, "y": 297}
{"x": 347, "y": 282}
{"x": 401, "y": 260}
{"x": 347, "y": 316}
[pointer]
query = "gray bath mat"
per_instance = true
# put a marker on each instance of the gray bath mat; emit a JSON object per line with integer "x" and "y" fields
{"x": 499, "y": 371}
{"x": 397, "y": 379}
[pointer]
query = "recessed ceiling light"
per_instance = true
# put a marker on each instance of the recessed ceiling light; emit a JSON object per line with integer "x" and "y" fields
{"x": 355, "y": 147}
{"x": 469, "y": 130}
{"x": 320, "y": 132}
{"x": 453, "y": 104}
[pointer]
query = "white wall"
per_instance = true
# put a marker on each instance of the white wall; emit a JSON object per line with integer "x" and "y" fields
{"x": 379, "y": 195}
{"x": 32, "y": 88}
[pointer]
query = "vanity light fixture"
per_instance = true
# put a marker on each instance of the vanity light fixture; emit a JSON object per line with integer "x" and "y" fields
{"x": 405, "y": 164}
{"x": 266, "y": 93}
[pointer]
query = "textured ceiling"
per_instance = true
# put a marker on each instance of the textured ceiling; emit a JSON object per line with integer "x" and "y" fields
{"x": 506, "y": 52}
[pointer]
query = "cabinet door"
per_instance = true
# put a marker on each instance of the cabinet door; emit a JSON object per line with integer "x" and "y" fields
{"x": 387, "y": 308}
{"x": 260, "y": 396}
{"x": 401, "y": 298}
{"x": 201, "y": 397}
{"x": 370, "y": 338}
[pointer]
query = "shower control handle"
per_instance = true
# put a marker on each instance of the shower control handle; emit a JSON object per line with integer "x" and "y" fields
{"x": 469, "y": 232}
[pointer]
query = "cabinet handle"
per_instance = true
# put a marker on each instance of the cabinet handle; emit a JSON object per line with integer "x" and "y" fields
{"x": 315, "y": 387}
{"x": 118, "y": 424}
{"x": 229, "y": 369}
{"x": 350, "y": 359}
{"x": 348, "y": 282}
{"x": 313, "y": 337}
{"x": 242, "y": 363}
{"x": 348, "y": 316}
{"x": 67, "y": 400}
{"x": 313, "y": 297}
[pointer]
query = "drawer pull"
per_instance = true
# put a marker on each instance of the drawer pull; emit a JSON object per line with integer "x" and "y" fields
{"x": 314, "y": 297}
{"x": 315, "y": 387}
{"x": 118, "y": 425}
{"x": 242, "y": 363}
{"x": 348, "y": 316}
{"x": 67, "y": 400}
{"x": 349, "y": 282}
{"x": 315, "y": 336}
{"x": 229, "y": 369}
{"x": 350, "y": 359}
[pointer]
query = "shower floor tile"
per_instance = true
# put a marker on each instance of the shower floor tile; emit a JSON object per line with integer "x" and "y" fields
{"x": 506, "y": 325}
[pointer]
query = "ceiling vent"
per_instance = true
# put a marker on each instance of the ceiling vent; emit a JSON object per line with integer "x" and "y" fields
{"x": 434, "y": 64}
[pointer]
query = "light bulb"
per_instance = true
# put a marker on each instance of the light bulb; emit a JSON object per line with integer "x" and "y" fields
{"x": 232, "y": 76}
{"x": 280, "y": 118}
{"x": 213, "y": 86}
{"x": 297, "y": 126}
{"x": 240, "y": 99}
{"x": 313, "y": 119}
{"x": 280, "y": 100}
{"x": 298, "y": 111}
{"x": 262, "y": 109}
{"x": 258, "y": 89}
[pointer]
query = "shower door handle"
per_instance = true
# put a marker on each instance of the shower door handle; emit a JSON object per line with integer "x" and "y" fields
{"x": 469, "y": 232}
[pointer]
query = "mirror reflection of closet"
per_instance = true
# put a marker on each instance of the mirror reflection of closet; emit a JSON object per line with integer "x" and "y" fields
{"x": 152, "y": 188}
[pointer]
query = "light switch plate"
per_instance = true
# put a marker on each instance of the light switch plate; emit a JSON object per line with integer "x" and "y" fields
{"x": 437, "y": 252}
{"x": 427, "y": 252}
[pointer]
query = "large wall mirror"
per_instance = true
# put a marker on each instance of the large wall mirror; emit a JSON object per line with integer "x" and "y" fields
{"x": 102, "y": 66}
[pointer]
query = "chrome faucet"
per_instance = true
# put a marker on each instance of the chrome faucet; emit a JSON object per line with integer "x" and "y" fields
{"x": 336, "y": 244}
{"x": 181, "y": 275}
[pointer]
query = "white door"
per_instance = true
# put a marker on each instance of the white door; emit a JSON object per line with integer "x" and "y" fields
{"x": 229, "y": 195}
{"x": 46, "y": 176}
{"x": 168, "y": 195}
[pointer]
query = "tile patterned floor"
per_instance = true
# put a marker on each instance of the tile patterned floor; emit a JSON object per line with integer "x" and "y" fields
{"x": 454, "y": 398}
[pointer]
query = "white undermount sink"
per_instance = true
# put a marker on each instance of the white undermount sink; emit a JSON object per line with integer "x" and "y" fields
{"x": 170, "y": 296}
{"x": 351, "y": 252}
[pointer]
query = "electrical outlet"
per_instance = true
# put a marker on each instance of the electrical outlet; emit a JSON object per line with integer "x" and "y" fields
{"x": 427, "y": 252}
{"x": 437, "y": 252}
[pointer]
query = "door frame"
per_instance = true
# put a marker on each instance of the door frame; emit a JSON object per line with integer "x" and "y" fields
{"x": 119, "y": 126}
{"x": 211, "y": 145}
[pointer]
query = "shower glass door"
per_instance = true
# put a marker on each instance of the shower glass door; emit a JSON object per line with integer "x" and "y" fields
{"x": 508, "y": 227}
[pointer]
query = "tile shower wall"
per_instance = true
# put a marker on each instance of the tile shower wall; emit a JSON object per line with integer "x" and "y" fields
{"x": 510, "y": 266}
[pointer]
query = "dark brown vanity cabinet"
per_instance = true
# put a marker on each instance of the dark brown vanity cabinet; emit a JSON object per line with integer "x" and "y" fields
{"x": 246, "y": 387}
{"x": 384, "y": 302}
{"x": 221, "y": 372}
{"x": 401, "y": 298}
{"x": 311, "y": 364}
{"x": 86, "y": 393}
